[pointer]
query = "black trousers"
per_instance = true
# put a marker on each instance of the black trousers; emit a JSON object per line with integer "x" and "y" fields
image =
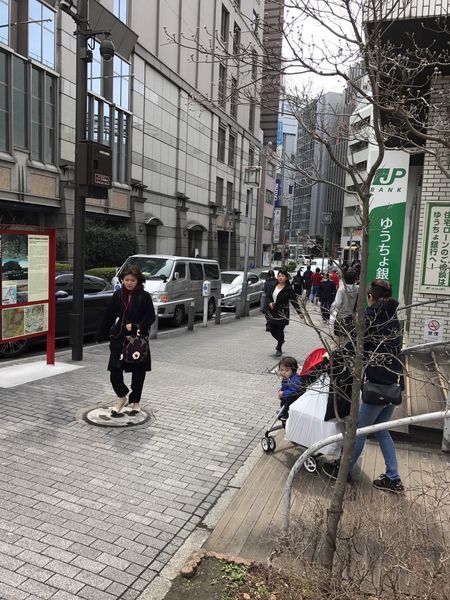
{"x": 325, "y": 309}
{"x": 276, "y": 328}
{"x": 137, "y": 383}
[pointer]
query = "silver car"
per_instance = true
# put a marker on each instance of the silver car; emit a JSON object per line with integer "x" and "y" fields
{"x": 232, "y": 287}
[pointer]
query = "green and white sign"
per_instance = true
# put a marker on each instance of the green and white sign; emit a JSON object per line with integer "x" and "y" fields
{"x": 435, "y": 266}
{"x": 387, "y": 218}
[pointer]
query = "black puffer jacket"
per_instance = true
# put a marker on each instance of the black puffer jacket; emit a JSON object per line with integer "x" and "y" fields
{"x": 382, "y": 342}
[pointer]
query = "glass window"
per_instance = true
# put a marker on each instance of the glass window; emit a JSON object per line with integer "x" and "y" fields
{"x": 4, "y": 22}
{"x": 121, "y": 83}
{"x": 255, "y": 22}
{"x": 180, "y": 268}
{"x": 151, "y": 268}
{"x": 229, "y": 195}
{"x": 211, "y": 271}
{"x": 219, "y": 191}
{"x": 4, "y": 102}
{"x": 20, "y": 95}
{"x": 120, "y": 10}
{"x": 221, "y": 144}
{"x": 222, "y": 91}
{"x": 233, "y": 97}
{"x": 251, "y": 156}
{"x": 254, "y": 65}
{"x": 37, "y": 96}
{"x": 120, "y": 149}
{"x": 236, "y": 39}
{"x": 196, "y": 270}
{"x": 224, "y": 25}
{"x": 232, "y": 278}
{"x": 41, "y": 33}
{"x": 92, "y": 285}
{"x": 50, "y": 119}
{"x": 269, "y": 197}
{"x": 251, "y": 115}
{"x": 95, "y": 71}
{"x": 65, "y": 283}
{"x": 231, "y": 149}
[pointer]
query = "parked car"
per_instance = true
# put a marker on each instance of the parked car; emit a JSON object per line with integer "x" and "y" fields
{"x": 172, "y": 279}
{"x": 232, "y": 285}
{"x": 97, "y": 293}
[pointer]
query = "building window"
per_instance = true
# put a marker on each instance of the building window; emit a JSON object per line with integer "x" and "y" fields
{"x": 255, "y": 22}
{"x": 251, "y": 156}
{"x": 4, "y": 22}
{"x": 224, "y": 25}
{"x": 41, "y": 35}
{"x": 121, "y": 85}
{"x": 120, "y": 10}
{"x": 270, "y": 169}
{"x": 234, "y": 97}
{"x": 43, "y": 116}
{"x": 254, "y": 65}
{"x": 236, "y": 39}
{"x": 120, "y": 148}
{"x": 231, "y": 149}
{"x": 219, "y": 191}
{"x": 229, "y": 196}
{"x": 221, "y": 144}
{"x": 269, "y": 197}
{"x": 251, "y": 115}
{"x": 237, "y": 4}
{"x": 4, "y": 104}
{"x": 20, "y": 102}
{"x": 268, "y": 224}
{"x": 222, "y": 85}
{"x": 248, "y": 199}
{"x": 95, "y": 71}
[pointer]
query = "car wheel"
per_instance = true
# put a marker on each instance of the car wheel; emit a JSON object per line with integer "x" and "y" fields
{"x": 11, "y": 349}
{"x": 211, "y": 308}
{"x": 178, "y": 316}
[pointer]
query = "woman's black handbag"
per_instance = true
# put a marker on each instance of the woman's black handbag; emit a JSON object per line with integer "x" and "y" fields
{"x": 381, "y": 394}
{"x": 135, "y": 349}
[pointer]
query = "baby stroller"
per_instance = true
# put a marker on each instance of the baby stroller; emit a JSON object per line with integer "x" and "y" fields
{"x": 311, "y": 414}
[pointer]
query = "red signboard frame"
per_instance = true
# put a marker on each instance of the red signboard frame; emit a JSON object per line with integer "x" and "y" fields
{"x": 50, "y": 301}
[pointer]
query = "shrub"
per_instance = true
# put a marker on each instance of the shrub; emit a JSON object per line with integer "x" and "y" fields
{"x": 61, "y": 267}
{"x": 291, "y": 266}
{"x": 106, "y": 246}
{"x": 105, "y": 272}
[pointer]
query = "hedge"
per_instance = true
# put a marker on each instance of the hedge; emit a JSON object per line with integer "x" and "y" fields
{"x": 107, "y": 246}
{"x": 106, "y": 272}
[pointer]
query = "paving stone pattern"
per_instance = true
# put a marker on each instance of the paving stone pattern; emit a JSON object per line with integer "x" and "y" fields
{"x": 96, "y": 513}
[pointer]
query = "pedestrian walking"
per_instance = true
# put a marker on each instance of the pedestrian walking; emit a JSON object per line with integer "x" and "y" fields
{"x": 316, "y": 278}
{"x": 307, "y": 280}
{"x": 297, "y": 283}
{"x": 334, "y": 276}
{"x": 279, "y": 297}
{"x": 383, "y": 367}
{"x": 326, "y": 294}
{"x": 344, "y": 305}
{"x": 128, "y": 317}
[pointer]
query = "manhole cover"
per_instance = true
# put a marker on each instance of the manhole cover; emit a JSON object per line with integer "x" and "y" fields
{"x": 101, "y": 416}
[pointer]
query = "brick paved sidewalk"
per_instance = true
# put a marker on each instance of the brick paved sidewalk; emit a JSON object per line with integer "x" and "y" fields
{"x": 96, "y": 513}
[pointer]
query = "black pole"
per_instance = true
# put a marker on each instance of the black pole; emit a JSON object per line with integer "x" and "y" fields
{"x": 77, "y": 316}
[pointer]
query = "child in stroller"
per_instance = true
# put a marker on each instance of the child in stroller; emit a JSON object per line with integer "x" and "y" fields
{"x": 291, "y": 385}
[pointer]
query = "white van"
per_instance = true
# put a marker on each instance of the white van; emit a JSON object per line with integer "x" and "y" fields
{"x": 172, "y": 278}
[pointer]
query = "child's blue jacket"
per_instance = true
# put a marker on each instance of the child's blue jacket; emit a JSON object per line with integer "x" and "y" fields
{"x": 291, "y": 385}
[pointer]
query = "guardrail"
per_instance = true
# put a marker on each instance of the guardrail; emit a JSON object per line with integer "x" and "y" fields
{"x": 238, "y": 300}
{"x": 191, "y": 314}
{"x": 443, "y": 414}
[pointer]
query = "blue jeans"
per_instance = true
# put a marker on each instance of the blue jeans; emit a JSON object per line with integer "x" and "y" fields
{"x": 370, "y": 415}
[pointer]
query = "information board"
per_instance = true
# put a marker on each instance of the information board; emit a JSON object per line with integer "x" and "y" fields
{"x": 27, "y": 276}
{"x": 435, "y": 267}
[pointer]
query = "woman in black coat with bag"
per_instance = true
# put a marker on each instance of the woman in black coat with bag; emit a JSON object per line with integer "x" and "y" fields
{"x": 129, "y": 313}
{"x": 279, "y": 296}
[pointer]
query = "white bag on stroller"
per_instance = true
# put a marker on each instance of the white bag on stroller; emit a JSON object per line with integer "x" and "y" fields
{"x": 306, "y": 426}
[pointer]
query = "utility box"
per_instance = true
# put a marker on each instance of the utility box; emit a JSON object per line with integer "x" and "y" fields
{"x": 94, "y": 166}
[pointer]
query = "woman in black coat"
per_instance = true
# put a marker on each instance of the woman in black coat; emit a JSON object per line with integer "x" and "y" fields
{"x": 129, "y": 311}
{"x": 279, "y": 296}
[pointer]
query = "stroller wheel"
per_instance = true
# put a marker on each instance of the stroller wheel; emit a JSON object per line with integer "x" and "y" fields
{"x": 268, "y": 444}
{"x": 310, "y": 464}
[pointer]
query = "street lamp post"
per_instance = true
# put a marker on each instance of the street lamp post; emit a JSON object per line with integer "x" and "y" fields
{"x": 92, "y": 166}
{"x": 77, "y": 315}
{"x": 252, "y": 177}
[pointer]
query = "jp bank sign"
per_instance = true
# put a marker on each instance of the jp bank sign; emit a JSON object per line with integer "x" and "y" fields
{"x": 388, "y": 180}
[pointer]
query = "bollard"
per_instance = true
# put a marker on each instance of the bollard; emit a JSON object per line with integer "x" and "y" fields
{"x": 237, "y": 314}
{"x": 191, "y": 316}
{"x": 218, "y": 311}
{"x": 247, "y": 307}
{"x": 154, "y": 328}
{"x": 205, "y": 311}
